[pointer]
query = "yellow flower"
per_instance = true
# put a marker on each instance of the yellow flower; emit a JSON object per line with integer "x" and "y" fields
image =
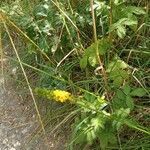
{"x": 61, "y": 96}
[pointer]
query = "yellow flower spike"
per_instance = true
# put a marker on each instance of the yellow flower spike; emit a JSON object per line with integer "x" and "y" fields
{"x": 61, "y": 96}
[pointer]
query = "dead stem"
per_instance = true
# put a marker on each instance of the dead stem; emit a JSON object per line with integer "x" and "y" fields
{"x": 26, "y": 78}
{"x": 2, "y": 57}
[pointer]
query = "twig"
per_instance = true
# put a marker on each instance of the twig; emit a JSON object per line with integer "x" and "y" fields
{"x": 64, "y": 59}
{"x": 2, "y": 58}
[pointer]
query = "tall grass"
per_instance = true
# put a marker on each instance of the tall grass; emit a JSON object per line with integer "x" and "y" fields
{"x": 96, "y": 52}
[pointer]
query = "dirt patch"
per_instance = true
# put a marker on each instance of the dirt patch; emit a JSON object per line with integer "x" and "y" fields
{"x": 18, "y": 123}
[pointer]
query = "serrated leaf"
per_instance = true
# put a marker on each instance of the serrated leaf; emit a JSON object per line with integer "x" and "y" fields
{"x": 136, "y": 10}
{"x": 97, "y": 123}
{"x": 130, "y": 22}
{"x": 138, "y": 92}
{"x": 117, "y": 64}
{"x": 118, "y": 76}
{"x": 90, "y": 136}
{"x": 83, "y": 62}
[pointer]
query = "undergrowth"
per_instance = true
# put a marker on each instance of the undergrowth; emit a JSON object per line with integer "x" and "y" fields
{"x": 88, "y": 61}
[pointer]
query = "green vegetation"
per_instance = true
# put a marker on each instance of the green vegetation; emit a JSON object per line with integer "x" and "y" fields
{"x": 92, "y": 55}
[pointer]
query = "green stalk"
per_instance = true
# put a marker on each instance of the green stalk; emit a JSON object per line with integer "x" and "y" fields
{"x": 110, "y": 19}
{"x": 103, "y": 72}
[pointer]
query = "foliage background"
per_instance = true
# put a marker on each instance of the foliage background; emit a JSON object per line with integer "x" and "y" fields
{"x": 62, "y": 47}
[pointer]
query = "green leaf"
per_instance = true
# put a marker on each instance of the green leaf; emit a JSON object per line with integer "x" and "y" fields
{"x": 81, "y": 123}
{"x": 135, "y": 125}
{"x": 136, "y": 10}
{"x": 120, "y": 26}
{"x": 138, "y": 92}
{"x": 121, "y": 31}
{"x": 92, "y": 61}
{"x": 89, "y": 97}
{"x": 90, "y": 53}
{"x": 91, "y": 49}
{"x": 119, "y": 100}
{"x": 107, "y": 135}
{"x": 43, "y": 44}
{"x": 90, "y": 136}
{"x": 116, "y": 2}
{"x": 121, "y": 114}
{"x": 129, "y": 102}
{"x": 118, "y": 76}
{"x": 122, "y": 100}
{"x": 130, "y": 22}
{"x": 116, "y": 64}
{"x": 127, "y": 89}
{"x": 97, "y": 123}
{"x": 103, "y": 46}
{"x": 83, "y": 62}
{"x": 120, "y": 94}
{"x": 118, "y": 81}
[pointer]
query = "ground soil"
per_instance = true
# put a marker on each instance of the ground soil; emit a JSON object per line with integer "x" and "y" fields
{"x": 18, "y": 120}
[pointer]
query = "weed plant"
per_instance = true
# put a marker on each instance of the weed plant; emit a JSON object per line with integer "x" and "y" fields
{"x": 91, "y": 61}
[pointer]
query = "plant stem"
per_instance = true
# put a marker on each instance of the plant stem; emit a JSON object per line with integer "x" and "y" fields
{"x": 94, "y": 20}
{"x": 97, "y": 50}
{"x": 26, "y": 78}
{"x": 1, "y": 57}
{"x": 110, "y": 19}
